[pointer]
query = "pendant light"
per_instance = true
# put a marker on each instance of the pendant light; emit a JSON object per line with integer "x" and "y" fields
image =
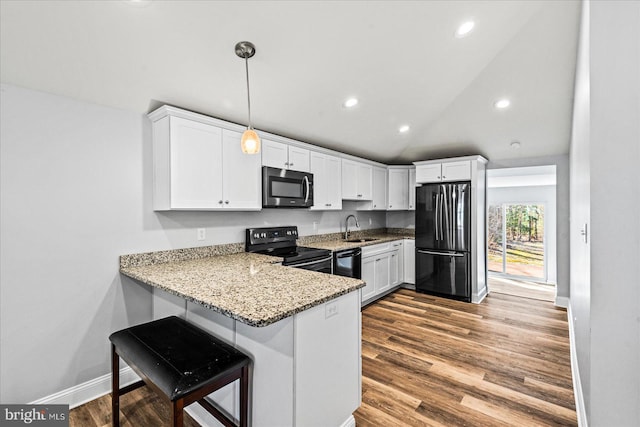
{"x": 250, "y": 142}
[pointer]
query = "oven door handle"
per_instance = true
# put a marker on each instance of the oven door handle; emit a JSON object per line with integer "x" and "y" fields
{"x": 306, "y": 194}
{"x": 353, "y": 253}
{"x": 329, "y": 258}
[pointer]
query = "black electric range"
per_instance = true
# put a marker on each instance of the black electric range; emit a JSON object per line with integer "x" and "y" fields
{"x": 281, "y": 242}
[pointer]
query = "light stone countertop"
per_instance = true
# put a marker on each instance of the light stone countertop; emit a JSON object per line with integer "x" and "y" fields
{"x": 251, "y": 288}
{"x": 339, "y": 244}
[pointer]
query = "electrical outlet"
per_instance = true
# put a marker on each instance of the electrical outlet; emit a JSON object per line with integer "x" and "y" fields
{"x": 370, "y": 221}
{"x": 202, "y": 233}
{"x": 330, "y": 309}
{"x": 315, "y": 227}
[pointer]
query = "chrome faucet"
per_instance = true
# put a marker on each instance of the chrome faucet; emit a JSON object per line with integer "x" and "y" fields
{"x": 346, "y": 226}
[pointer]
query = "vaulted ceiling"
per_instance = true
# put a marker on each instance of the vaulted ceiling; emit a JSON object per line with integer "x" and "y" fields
{"x": 401, "y": 60}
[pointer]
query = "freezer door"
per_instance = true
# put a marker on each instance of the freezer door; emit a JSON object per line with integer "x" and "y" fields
{"x": 443, "y": 274}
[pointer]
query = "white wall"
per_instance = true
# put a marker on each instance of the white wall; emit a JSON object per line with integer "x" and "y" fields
{"x": 605, "y": 154}
{"x": 545, "y": 194}
{"x": 615, "y": 212}
{"x": 75, "y": 180}
{"x": 580, "y": 292}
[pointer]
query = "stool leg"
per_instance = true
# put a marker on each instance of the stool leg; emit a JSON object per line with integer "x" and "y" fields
{"x": 177, "y": 409}
{"x": 115, "y": 387}
{"x": 244, "y": 396}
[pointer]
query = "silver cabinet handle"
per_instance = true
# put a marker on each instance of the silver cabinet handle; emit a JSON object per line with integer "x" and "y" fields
{"x": 220, "y": 202}
{"x": 290, "y": 164}
{"x": 226, "y": 202}
{"x": 286, "y": 163}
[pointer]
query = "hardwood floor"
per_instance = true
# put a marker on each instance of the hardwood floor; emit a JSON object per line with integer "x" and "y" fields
{"x": 139, "y": 408}
{"x": 429, "y": 361}
{"x": 521, "y": 288}
{"x": 433, "y": 361}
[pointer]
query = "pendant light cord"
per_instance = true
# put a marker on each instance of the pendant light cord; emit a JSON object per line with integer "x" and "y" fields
{"x": 246, "y": 64}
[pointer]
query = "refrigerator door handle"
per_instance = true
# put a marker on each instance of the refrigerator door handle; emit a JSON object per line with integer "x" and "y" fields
{"x": 421, "y": 251}
{"x": 437, "y": 215}
{"x": 442, "y": 213}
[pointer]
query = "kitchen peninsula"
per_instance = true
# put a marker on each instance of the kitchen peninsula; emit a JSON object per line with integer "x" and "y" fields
{"x": 301, "y": 328}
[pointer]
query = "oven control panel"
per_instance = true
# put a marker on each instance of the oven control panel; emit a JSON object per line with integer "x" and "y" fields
{"x": 269, "y": 235}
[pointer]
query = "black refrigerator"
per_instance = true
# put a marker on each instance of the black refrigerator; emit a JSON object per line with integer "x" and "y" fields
{"x": 443, "y": 232}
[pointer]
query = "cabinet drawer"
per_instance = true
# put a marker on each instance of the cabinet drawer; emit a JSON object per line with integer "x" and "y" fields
{"x": 376, "y": 249}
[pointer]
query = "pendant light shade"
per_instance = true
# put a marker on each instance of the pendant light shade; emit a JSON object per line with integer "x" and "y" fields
{"x": 250, "y": 142}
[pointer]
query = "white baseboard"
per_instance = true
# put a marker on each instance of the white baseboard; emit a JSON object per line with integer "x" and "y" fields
{"x": 477, "y": 298}
{"x": 87, "y": 391}
{"x": 562, "y": 302}
{"x": 575, "y": 372}
{"x": 349, "y": 422}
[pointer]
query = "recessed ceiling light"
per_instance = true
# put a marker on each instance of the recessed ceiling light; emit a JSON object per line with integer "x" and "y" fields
{"x": 502, "y": 103}
{"x": 465, "y": 29}
{"x": 515, "y": 145}
{"x": 351, "y": 102}
{"x": 404, "y": 129}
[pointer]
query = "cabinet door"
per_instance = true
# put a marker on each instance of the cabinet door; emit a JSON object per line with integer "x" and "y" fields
{"x": 365, "y": 182}
{"x": 398, "y": 189}
{"x": 318, "y": 167}
{"x": 241, "y": 181}
{"x": 410, "y": 261}
{"x": 379, "y": 201}
{"x": 298, "y": 159}
{"x": 429, "y": 173}
{"x": 334, "y": 180}
{"x": 382, "y": 270}
{"x": 195, "y": 165}
{"x": 399, "y": 246}
{"x": 412, "y": 189}
{"x": 456, "y": 171}
{"x": 394, "y": 268}
{"x": 369, "y": 276}
{"x": 274, "y": 154}
{"x": 349, "y": 180}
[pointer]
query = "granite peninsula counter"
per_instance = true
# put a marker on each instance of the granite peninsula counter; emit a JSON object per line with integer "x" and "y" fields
{"x": 251, "y": 288}
{"x": 300, "y": 328}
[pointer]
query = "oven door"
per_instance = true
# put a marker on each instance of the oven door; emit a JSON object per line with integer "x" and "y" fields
{"x": 283, "y": 188}
{"x": 321, "y": 265}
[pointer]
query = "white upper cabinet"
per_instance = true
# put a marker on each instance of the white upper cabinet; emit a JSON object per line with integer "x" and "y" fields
{"x": 443, "y": 171}
{"x": 356, "y": 180}
{"x": 242, "y": 189}
{"x": 327, "y": 181}
{"x": 412, "y": 189}
{"x": 398, "y": 189}
{"x": 198, "y": 166}
{"x": 284, "y": 156}
{"x": 379, "y": 200}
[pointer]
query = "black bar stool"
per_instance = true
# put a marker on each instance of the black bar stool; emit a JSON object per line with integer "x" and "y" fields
{"x": 181, "y": 362}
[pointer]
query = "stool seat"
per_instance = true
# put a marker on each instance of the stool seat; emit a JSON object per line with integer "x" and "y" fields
{"x": 179, "y": 359}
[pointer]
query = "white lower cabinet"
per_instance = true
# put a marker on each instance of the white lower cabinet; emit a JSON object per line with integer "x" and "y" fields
{"x": 381, "y": 270}
{"x": 410, "y": 261}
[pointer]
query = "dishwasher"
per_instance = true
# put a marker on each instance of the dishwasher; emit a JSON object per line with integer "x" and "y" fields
{"x": 348, "y": 263}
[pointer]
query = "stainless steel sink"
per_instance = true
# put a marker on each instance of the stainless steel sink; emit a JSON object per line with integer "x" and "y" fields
{"x": 360, "y": 240}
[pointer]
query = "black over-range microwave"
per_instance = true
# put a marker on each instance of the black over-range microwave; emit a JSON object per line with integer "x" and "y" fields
{"x": 284, "y": 188}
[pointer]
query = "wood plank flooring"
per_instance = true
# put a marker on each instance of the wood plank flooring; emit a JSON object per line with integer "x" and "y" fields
{"x": 521, "y": 288}
{"x": 429, "y": 361}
